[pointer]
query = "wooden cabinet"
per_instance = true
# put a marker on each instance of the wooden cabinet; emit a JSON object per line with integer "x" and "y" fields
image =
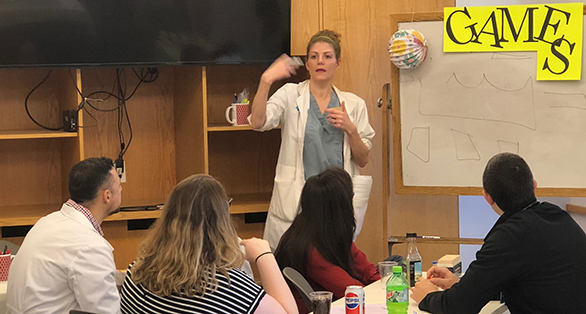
{"x": 306, "y": 20}
{"x": 178, "y": 128}
{"x": 33, "y": 161}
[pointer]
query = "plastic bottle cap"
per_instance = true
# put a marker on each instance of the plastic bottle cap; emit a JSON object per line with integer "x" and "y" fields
{"x": 411, "y": 235}
{"x": 397, "y": 269}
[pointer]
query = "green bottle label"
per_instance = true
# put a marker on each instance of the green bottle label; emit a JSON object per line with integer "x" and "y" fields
{"x": 398, "y": 296}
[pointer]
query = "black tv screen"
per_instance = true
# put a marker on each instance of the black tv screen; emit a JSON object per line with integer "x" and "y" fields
{"x": 142, "y": 32}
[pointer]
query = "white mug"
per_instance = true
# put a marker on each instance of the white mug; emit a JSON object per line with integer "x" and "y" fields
{"x": 237, "y": 114}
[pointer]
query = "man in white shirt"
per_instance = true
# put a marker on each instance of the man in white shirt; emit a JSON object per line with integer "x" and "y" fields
{"x": 64, "y": 262}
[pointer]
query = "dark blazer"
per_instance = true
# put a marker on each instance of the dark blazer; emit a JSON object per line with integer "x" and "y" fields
{"x": 536, "y": 257}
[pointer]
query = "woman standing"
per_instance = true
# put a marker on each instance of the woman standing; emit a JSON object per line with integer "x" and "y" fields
{"x": 321, "y": 126}
{"x": 319, "y": 242}
{"x": 188, "y": 262}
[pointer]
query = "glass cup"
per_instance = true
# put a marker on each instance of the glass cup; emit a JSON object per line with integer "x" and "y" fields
{"x": 385, "y": 269}
{"x": 321, "y": 302}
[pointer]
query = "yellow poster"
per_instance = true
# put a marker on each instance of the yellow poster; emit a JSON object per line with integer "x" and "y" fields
{"x": 553, "y": 30}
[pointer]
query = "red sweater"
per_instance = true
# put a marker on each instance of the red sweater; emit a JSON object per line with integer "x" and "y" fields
{"x": 325, "y": 276}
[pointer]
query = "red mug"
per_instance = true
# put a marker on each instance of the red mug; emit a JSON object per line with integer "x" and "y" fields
{"x": 237, "y": 114}
{"x": 5, "y": 261}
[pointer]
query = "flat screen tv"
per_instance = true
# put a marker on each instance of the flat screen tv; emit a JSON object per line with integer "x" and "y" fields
{"x": 73, "y": 33}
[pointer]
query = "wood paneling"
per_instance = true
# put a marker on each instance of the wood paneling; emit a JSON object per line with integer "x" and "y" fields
{"x": 244, "y": 161}
{"x": 190, "y": 133}
{"x": 150, "y": 159}
{"x": 125, "y": 242}
{"x": 43, "y": 103}
{"x": 306, "y": 20}
{"x": 31, "y": 172}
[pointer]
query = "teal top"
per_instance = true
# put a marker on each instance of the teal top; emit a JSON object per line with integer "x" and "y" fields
{"x": 324, "y": 143}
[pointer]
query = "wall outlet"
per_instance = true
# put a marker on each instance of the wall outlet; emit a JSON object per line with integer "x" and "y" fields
{"x": 123, "y": 176}
{"x": 120, "y": 166}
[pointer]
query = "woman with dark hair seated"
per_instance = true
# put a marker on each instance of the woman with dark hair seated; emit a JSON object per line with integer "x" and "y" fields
{"x": 189, "y": 260}
{"x": 319, "y": 242}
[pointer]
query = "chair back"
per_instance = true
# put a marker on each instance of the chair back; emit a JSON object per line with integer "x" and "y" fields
{"x": 13, "y": 247}
{"x": 300, "y": 284}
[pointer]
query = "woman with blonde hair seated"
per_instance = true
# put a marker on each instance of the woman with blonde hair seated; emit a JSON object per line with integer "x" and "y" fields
{"x": 189, "y": 261}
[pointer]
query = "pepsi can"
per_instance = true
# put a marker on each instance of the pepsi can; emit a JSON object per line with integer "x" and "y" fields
{"x": 354, "y": 300}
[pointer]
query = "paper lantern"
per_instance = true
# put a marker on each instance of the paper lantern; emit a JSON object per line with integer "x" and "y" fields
{"x": 407, "y": 48}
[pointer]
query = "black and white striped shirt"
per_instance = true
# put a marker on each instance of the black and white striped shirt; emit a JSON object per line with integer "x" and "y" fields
{"x": 242, "y": 295}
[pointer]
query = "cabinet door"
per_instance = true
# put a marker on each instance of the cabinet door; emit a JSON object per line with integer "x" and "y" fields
{"x": 306, "y": 20}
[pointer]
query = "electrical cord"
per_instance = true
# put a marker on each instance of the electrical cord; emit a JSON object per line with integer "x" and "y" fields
{"x": 119, "y": 92}
{"x": 26, "y": 105}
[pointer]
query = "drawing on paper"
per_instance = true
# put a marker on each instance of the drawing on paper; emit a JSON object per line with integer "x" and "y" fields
{"x": 508, "y": 147}
{"x": 465, "y": 148}
{"x": 566, "y": 100}
{"x": 510, "y": 55}
{"x": 486, "y": 101}
{"x": 419, "y": 143}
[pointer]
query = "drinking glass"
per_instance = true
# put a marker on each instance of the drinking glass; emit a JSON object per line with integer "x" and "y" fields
{"x": 385, "y": 269}
{"x": 321, "y": 302}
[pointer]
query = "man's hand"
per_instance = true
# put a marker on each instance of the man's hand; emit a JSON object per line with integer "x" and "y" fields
{"x": 421, "y": 289}
{"x": 442, "y": 277}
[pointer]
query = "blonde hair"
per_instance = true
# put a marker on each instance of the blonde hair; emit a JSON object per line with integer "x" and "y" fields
{"x": 192, "y": 240}
{"x": 326, "y": 36}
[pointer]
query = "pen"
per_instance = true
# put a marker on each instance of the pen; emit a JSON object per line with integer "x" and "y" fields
{"x": 429, "y": 237}
{"x": 5, "y": 248}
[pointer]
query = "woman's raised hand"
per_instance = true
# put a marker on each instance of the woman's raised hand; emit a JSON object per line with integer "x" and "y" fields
{"x": 282, "y": 68}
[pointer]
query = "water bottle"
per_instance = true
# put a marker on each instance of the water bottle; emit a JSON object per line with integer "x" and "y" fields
{"x": 397, "y": 292}
{"x": 413, "y": 260}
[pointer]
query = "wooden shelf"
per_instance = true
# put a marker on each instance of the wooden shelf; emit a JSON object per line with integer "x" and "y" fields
{"x": 241, "y": 204}
{"x": 140, "y": 212}
{"x": 25, "y": 215}
{"x": 224, "y": 128}
{"x": 577, "y": 209}
{"x": 131, "y": 215}
{"x": 250, "y": 203}
{"x": 34, "y": 134}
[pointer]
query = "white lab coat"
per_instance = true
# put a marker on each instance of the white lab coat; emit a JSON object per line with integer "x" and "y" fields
{"x": 62, "y": 265}
{"x": 288, "y": 107}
